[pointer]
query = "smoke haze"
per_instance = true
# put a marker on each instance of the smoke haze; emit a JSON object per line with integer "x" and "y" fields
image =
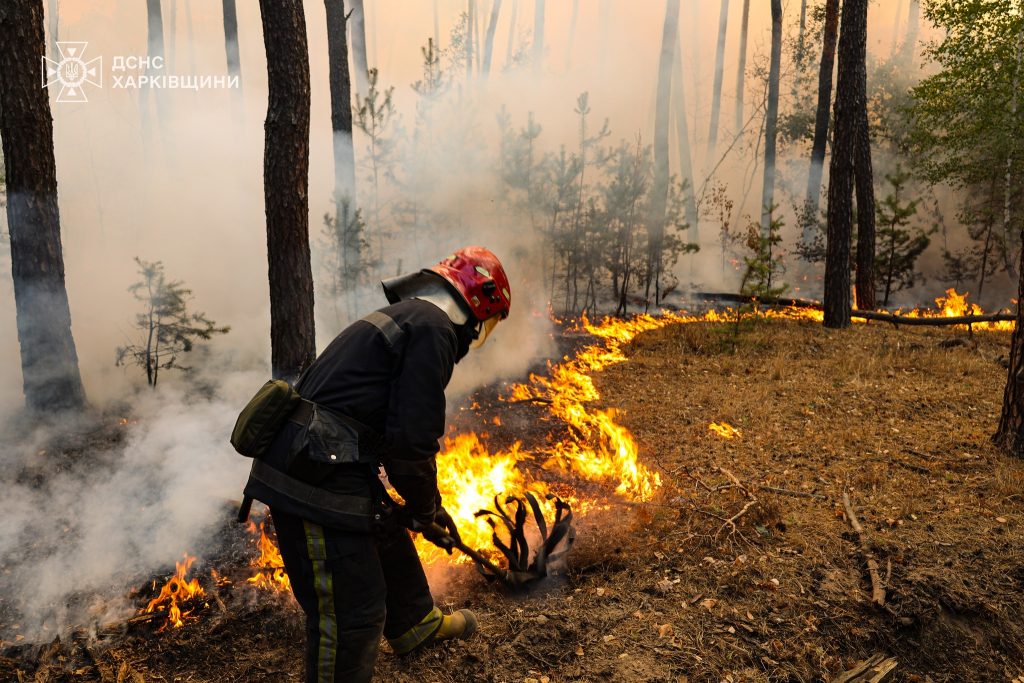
{"x": 186, "y": 188}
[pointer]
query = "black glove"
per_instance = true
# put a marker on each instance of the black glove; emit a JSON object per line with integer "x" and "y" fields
{"x": 442, "y": 532}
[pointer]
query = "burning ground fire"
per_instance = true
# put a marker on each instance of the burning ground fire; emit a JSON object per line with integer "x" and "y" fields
{"x": 595, "y": 448}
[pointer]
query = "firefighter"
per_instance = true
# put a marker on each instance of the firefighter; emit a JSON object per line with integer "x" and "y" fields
{"x": 375, "y": 397}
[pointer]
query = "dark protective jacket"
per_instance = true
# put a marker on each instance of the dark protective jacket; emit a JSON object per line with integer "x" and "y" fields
{"x": 397, "y": 390}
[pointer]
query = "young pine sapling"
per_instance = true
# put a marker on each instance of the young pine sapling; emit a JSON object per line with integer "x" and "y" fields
{"x": 166, "y": 326}
{"x": 898, "y": 245}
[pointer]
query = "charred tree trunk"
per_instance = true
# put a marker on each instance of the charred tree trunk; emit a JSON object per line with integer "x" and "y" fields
{"x": 341, "y": 103}
{"x": 572, "y": 33}
{"x": 49, "y": 362}
{"x": 683, "y": 139}
{"x": 231, "y": 40}
{"x": 492, "y": 26}
{"x": 538, "y": 35}
{"x": 349, "y": 254}
{"x": 828, "y": 54}
{"x": 741, "y": 70}
{"x": 849, "y": 104}
{"x": 285, "y": 187}
{"x": 359, "y": 47}
{"x": 771, "y": 120}
{"x": 865, "y": 182}
{"x": 716, "y": 90}
{"x": 659, "y": 188}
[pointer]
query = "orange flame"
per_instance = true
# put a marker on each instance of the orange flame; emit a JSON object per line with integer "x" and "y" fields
{"x": 724, "y": 430}
{"x": 174, "y": 593}
{"x": 271, "y": 575}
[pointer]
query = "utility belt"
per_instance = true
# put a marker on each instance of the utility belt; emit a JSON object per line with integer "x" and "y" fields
{"x": 312, "y": 447}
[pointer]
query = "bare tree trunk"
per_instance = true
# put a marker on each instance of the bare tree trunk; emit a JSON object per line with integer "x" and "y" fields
{"x": 659, "y": 188}
{"x": 572, "y": 33}
{"x": 349, "y": 257}
{"x": 741, "y": 69}
{"x": 513, "y": 24}
{"x": 828, "y": 53}
{"x": 1008, "y": 186}
{"x": 341, "y": 102}
{"x": 716, "y": 91}
{"x": 231, "y": 40}
{"x": 605, "y": 35}
{"x": 285, "y": 187}
{"x": 865, "y": 182}
{"x": 437, "y": 28}
{"x": 49, "y": 361}
{"x": 849, "y": 104}
{"x": 492, "y": 26}
{"x": 771, "y": 120}
{"x": 470, "y": 30}
{"x": 359, "y": 46}
{"x": 156, "y": 54}
{"x": 538, "y": 35}
{"x": 683, "y": 139}
{"x": 909, "y": 48}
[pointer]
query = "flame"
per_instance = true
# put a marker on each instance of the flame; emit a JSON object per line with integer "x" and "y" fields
{"x": 174, "y": 593}
{"x": 271, "y": 575}
{"x": 724, "y": 430}
{"x": 955, "y": 305}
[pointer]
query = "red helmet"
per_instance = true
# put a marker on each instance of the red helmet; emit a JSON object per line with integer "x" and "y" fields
{"x": 478, "y": 276}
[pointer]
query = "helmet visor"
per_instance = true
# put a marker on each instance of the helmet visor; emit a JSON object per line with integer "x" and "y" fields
{"x": 485, "y": 331}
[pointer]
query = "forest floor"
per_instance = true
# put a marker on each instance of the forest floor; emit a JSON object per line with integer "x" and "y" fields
{"x": 897, "y": 419}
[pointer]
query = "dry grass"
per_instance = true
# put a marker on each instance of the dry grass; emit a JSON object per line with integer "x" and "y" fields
{"x": 671, "y": 591}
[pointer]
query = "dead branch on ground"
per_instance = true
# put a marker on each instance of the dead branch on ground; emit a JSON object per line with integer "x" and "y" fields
{"x": 877, "y": 586}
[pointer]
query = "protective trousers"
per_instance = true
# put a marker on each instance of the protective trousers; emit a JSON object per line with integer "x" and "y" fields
{"x": 353, "y": 587}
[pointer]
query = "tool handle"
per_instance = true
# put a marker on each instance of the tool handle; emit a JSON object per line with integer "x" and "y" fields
{"x": 470, "y": 552}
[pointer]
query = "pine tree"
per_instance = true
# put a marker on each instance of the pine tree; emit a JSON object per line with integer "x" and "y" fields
{"x": 898, "y": 246}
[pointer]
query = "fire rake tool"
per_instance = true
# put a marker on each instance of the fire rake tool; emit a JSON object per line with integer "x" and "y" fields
{"x": 521, "y": 570}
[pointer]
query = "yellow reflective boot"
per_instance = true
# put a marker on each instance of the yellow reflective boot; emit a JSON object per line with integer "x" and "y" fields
{"x": 434, "y": 627}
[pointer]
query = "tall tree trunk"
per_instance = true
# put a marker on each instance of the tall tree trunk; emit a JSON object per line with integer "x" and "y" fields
{"x": 155, "y": 23}
{"x": 828, "y": 54}
{"x": 492, "y": 26}
{"x": 285, "y": 187}
{"x": 771, "y": 120}
{"x": 572, "y": 33}
{"x": 341, "y": 102}
{"x": 865, "y": 182}
{"x": 538, "y": 35}
{"x": 741, "y": 69}
{"x": 801, "y": 49}
{"x": 605, "y": 38}
{"x": 849, "y": 104}
{"x": 909, "y": 48}
{"x": 155, "y": 51}
{"x": 54, "y": 30}
{"x": 1009, "y": 434}
{"x": 437, "y": 28}
{"x": 359, "y": 46}
{"x": 683, "y": 139}
{"x": 231, "y": 40}
{"x": 470, "y": 30}
{"x": 1008, "y": 186}
{"x": 349, "y": 256}
{"x": 49, "y": 362}
{"x": 716, "y": 91}
{"x": 659, "y": 188}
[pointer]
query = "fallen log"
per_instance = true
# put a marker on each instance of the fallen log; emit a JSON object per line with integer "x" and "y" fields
{"x": 893, "y": 318}
{"x": 935, "y": 321}
{"x": 877, "y": 587}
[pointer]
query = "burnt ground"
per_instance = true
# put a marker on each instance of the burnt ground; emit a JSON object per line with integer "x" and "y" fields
{"x": 670, "y": 590}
